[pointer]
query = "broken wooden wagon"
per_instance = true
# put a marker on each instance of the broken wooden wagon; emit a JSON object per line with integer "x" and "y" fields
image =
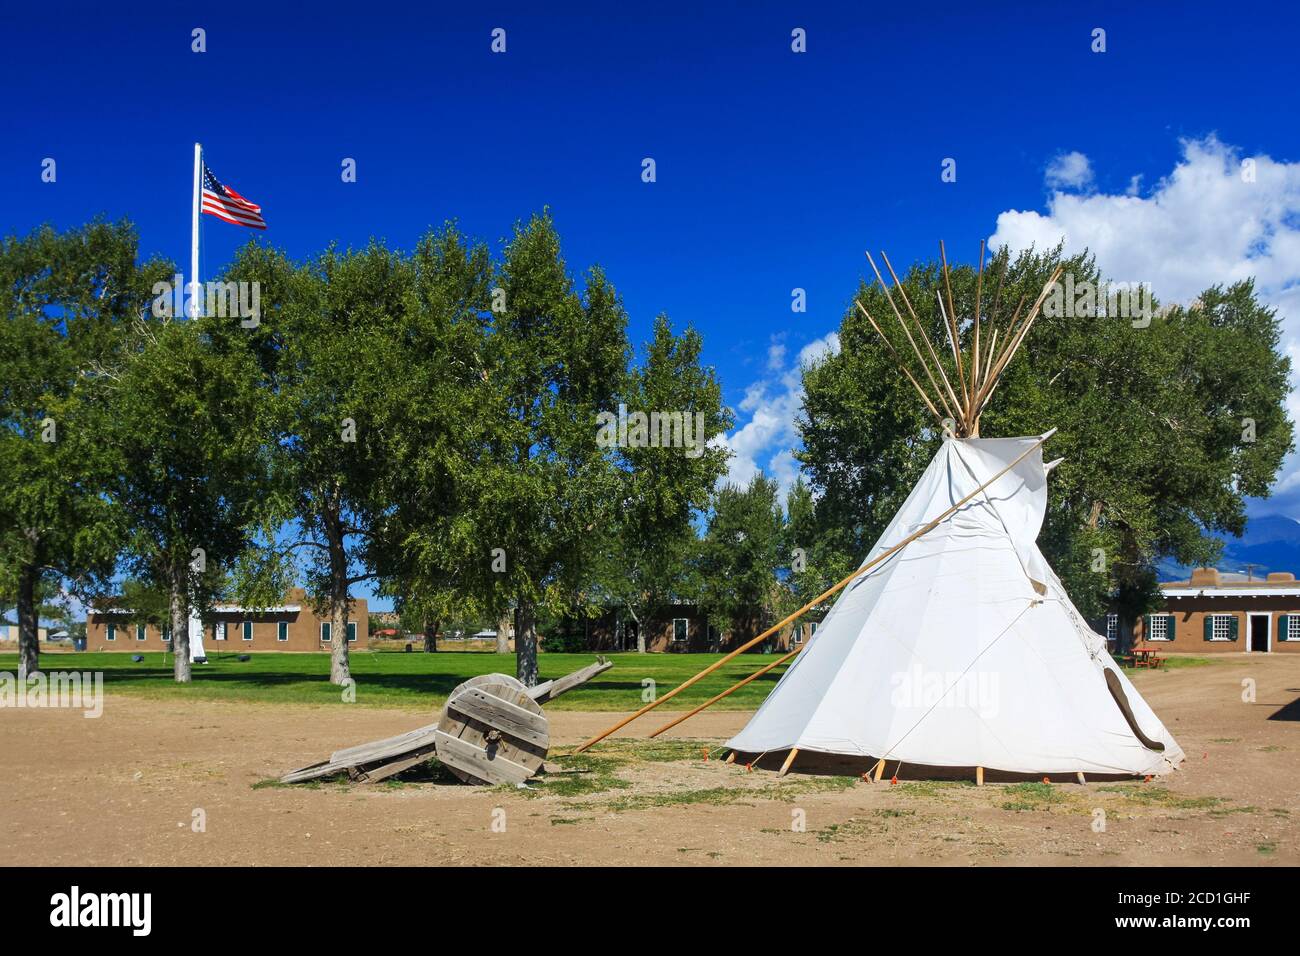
{"x": 491, "y": 731}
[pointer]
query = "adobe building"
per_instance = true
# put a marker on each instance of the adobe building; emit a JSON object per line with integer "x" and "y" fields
{"x": 291, "y": 626}
{"x": 1217, "y": 613}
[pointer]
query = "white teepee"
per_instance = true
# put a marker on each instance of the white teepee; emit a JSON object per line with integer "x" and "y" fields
{"x": 963, "y": 649}
{"x": 957, "y": 646}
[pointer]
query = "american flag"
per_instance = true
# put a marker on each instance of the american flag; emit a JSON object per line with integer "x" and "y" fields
{"x": 223, "y": 202}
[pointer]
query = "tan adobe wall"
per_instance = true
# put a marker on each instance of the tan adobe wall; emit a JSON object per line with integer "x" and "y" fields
{"x": 302, "y": 630}
{"x": 1189, "y": 623}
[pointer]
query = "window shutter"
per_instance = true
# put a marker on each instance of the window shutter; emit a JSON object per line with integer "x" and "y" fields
{"x": 1171, "y": 627}
{"x": 1232, "y": 628}
{"x": 1208, "y": 620}
{"x": 1146, "y": 626}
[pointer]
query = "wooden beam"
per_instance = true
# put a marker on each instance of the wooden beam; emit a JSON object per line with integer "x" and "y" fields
{"x": 833, "y": 589}
{"x": 979, "y": 776}
{"x": 880, "y": 769}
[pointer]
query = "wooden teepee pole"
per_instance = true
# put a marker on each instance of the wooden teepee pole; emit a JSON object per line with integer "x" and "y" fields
{"x": 951, "y": 316}
{"x": 898, "y": 358}
{"x": 919, "y": 357}
{"x": 726, "y": 693}
{"x": 975, "y": 349}
{"x": 1012, "y": 346}
{"x": 959, "y": 412}
{"x": 833, "y": 589}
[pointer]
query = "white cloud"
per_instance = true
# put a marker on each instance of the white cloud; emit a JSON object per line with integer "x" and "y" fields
{"x": 766, "y": 441}
{"x": 1204, "y": 223}
{"x": 775, "y": 356}
{"x": 1069, "y": 171}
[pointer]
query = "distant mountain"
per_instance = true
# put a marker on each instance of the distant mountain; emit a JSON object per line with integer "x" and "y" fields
{"x": 1271, "y": 543}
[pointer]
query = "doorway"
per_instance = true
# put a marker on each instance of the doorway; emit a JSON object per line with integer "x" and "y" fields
{"x": 1258, "y": 633}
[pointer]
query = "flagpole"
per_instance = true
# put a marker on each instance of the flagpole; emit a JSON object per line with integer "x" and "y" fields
{"x": 194, "y": 231}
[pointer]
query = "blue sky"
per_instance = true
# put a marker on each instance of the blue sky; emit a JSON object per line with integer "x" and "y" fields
{"x": 775, "y": 169}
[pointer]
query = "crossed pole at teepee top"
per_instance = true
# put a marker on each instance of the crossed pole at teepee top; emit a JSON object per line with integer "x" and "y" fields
{"x": 883, "y": 556}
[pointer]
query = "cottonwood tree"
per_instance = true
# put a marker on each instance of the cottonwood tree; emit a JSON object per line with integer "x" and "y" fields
{"x": 666, "y": 482}
{"x": 324, "y": 340}
{"x": 548, "y": 492}
{"x": 431, "y": 418}
{"x": 187, "y": 423}
{"x": 1166, "y": 426}
{"x": 65, "y": 297}
{"x": 742, "y": 562}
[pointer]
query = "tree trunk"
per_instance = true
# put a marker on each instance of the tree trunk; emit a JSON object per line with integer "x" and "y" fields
{"x": 340, "y": 667}
{"x": 640, "y": 631}
{"x": 29, "y": 645}
{"x": 431, "y": 637}
{"x": 178, "y": 612}
{"x": 526, "y": 644}
{"x": 503, "y": 633}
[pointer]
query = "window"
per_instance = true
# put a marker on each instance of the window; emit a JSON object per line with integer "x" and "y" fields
{"x": 1112, "y": 628}
{"x": 679, "y": 630}
{"x": 111, "y": 634}
{"x": 282, "y": 631}
{"x": 248, "y": 630}
{"x": 325, "y": 631}
{"x": 1288, "y": 627}
{"x": 166, "y": 633}
{"x": 219, "y": 631}
{"x": 139, "y": 632}
{"x": 1159, "y": 628}
{"x": 798, "y": 633}
{"x": 1221, "y": 627}
{"x": 812, "y": 629}
{"x": 352, "y": 632}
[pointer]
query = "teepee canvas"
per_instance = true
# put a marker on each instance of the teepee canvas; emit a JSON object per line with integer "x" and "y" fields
{"x": 955, "y": 645}
{"x": 963, "y": 649}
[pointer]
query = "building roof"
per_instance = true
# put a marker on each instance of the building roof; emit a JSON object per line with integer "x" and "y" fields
{"x": 1209, "y": 582}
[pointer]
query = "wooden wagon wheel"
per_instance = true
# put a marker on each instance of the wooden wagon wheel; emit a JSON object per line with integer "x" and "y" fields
{"x": 492, "y": 732}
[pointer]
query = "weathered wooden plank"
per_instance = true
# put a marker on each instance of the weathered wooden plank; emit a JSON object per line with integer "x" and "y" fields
{"x": 502, "y": 715}
{"x": 373, "y": 774}
{"x": 315, "y": 771}
{"x": 475, "y": 761}
{"x": 394, "y": 745}
{"x": 554, "y": 688}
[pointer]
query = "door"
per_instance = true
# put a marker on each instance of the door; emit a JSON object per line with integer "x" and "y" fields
{"x": 1258, "y": 637}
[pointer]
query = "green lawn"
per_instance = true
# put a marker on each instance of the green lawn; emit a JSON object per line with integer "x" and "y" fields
{"x": 416, "y": 681}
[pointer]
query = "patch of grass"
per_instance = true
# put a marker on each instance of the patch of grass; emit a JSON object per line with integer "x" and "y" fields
{"x": 1171, "y": 664}
{"x": 841, "y": 831}
{"x": 414, "y": 681}
{"x": 1225, "y": 740}
{"x": 1271, "y": 749}
{"x": 1032, "y": 796}
{"x": 566, "y": 821}
{"x": 1266, "y": 849}
{"x": 1160, "y": 796}
{"x": 930, "y": 788}
{"x": 723, "y": 796}
{"x": 1228, "y": 811}
{"x": 891, "y": 812}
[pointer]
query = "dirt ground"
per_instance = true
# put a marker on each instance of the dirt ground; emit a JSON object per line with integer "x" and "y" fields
{"x": 128, "y": 788}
